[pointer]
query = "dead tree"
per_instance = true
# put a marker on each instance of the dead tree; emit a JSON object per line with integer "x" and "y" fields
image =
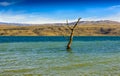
{"x": 71, "y": 35}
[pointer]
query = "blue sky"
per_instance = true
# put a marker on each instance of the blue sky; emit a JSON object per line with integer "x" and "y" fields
{"x": 57, "y": 11}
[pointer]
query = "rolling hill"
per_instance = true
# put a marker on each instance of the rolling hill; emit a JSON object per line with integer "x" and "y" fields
{"x": 84, "y": 28}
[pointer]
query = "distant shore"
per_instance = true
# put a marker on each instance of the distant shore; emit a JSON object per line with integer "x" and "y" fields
{"x": 62, "y": 30}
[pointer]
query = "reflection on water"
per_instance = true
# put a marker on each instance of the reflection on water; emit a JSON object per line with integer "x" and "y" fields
{"x": 93, "y": 58}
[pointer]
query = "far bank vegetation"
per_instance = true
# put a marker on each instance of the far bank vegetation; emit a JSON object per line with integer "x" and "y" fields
{"x": 60, "y": 30}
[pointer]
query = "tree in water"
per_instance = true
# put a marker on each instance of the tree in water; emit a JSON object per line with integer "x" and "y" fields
{"x": 72, "y": 33}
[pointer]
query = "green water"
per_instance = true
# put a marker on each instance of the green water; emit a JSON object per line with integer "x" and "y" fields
{"x": 92, "y": 58}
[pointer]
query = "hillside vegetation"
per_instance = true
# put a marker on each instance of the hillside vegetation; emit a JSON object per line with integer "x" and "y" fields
{"x": 98, "y": 28}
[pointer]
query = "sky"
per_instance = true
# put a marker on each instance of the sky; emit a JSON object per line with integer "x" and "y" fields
{"x": 58, "y": 11}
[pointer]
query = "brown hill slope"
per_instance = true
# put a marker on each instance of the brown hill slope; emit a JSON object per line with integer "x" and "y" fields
{"x": 83, "y": 29}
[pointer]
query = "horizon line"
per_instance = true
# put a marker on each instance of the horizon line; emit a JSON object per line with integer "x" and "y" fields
{"x": 54, "y": 22}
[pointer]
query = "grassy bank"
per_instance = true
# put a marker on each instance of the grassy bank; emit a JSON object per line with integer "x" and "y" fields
{"x": 54, "y": 30}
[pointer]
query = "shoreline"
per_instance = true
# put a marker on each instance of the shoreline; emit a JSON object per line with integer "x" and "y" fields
{"x": 65, "y": 36}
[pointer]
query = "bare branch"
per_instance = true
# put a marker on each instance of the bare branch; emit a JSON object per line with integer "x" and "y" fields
{"x": 67, "y": 22}
{"x": 76, "y": 23}
{"x": 68, "y": 25}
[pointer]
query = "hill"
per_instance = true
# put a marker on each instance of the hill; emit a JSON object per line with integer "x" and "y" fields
{"x": 84, "y": 28}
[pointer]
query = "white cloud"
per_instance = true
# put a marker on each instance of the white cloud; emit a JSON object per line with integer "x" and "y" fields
{"x": 36, "y": 19}
{"x": 6, "y": 3}
{"x": 8, "y": 16}
{"x": 114, "y": 7}
{"x": 29, "y": 19}
{"x": 115, "y": 17}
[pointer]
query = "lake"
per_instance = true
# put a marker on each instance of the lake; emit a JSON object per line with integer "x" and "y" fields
{"x": 47, "y": 56}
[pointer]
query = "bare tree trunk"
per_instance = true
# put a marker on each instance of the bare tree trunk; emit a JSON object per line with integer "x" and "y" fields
{"x": 70, "y": 40}
{"x": 71, "y": 35}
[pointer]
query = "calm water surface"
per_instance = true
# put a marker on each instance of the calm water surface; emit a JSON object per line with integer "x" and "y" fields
{"x": 50, "y": 58}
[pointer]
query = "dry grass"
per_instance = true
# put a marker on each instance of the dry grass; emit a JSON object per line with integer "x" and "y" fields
{"x": 52, "y": 30}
